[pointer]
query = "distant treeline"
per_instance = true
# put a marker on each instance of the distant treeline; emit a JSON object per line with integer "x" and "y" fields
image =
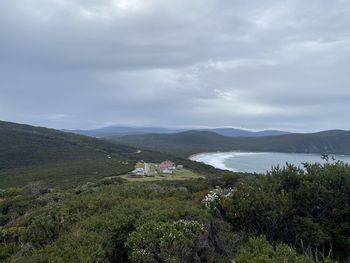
{"x": 186, "y": 143}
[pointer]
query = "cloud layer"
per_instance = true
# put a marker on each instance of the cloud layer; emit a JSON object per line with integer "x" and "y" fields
{"x": 252, "y": 64}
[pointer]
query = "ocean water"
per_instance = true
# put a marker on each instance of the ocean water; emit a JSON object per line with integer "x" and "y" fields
{"x": 258, "y": 162}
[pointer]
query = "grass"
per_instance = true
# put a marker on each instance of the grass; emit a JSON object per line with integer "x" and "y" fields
{"x": 183, "y": 174}
{"x": 139, "y": 165}
{"x": 153, "y": 168}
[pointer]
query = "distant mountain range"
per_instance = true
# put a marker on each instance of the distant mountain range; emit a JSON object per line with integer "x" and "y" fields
{"x": 191, "y": 142}
{"x": 231, "y": 132}
{"x": 124, "y": 130}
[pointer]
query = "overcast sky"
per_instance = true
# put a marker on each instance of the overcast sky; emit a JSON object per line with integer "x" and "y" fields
{"x": 254, "y": 64}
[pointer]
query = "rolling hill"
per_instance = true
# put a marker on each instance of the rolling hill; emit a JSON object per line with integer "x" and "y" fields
{"x": 231, "y": 132}
{"x": 124, "y": 131}
{"x": 23, "y": 145}
{"x": 30, "y": 154}
{"x": 191, "y": 142}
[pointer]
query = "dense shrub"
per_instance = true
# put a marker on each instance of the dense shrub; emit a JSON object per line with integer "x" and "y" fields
{"x": 259, "y": 250}
{"x": 304, "y": 214}
{"x": 168, "y": 242}
{"x": 307, "y": 208}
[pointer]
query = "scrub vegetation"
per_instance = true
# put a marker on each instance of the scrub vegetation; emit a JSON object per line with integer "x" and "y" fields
{"x": 64, "y": 207}
{"x": 289, "y": 215}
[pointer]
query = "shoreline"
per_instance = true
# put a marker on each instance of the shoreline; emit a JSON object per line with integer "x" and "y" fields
{"x": 251, "y": 152}
{"x": 218, "y": 162}
{"x": 196, "y": 154}
{"x": 222, "y": 160}
{"x": 228, "y": 152}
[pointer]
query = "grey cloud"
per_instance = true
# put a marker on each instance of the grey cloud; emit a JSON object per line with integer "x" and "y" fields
{"x": 253, "y": 64}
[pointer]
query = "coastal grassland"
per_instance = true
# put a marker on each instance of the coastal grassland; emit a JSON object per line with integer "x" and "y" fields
{"x": 180, "y": 174}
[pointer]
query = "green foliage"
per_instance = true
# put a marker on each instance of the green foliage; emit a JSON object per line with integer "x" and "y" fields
{"x": 168, "y": 242}
{"x": 12, "y": 191}
{"x": 308, "y": 209}
{"x": 259, "y": 250}
{"x": 96, "y": 226}
{"x": 117, "y": 221}
{"x": 46, "y": 227}
{"x": 94, "y": 216}
{"x": 77, "y": 247}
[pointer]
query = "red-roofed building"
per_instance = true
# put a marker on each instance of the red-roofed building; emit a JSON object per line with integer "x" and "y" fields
{"x": 167, "y": 166}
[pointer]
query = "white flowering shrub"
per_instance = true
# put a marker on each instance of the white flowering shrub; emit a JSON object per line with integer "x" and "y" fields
{"x": 214, "y": 197}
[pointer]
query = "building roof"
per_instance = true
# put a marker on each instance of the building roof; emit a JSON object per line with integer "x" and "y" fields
{"x": 166, "y": 165}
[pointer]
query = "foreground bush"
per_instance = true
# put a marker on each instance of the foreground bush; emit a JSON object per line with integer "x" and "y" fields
{"x": 259, "y": 250}
{"x": 170, "y": 242}
{"x": 307, "y": 208}
{"x": 304, "y": 215}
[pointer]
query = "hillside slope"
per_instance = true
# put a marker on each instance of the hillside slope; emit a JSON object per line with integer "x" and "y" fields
{"x": 187, "y": 143}
{"x": 23, "y": 145}
{"x": 181, "y": 144}
{"x": 30, "y": 154}
{"x": 231, "y": 132}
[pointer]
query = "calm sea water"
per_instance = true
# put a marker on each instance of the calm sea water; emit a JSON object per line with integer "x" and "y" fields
{"x": 258, "y": 162}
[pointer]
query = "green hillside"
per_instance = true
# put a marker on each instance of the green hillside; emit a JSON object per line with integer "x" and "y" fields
{"x": 191, "y": 142}
{"x": 30, "y": 153}
{"x": 182, "y": 144}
